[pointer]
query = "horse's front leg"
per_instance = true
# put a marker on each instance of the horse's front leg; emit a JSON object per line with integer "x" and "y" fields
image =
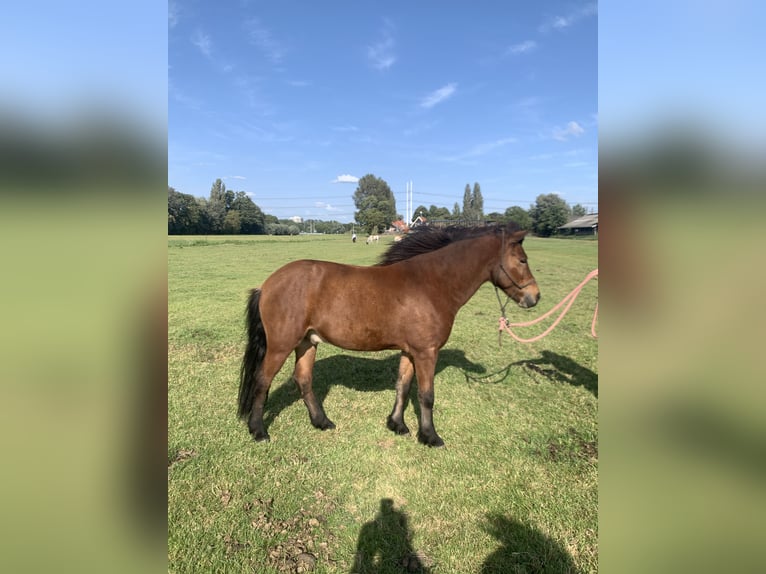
{"x": 395, "y": 420}
{"x": 425, "y": 364}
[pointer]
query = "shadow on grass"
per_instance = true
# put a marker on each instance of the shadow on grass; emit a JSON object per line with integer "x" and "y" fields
{"x": 524, "y": 549}
{"x": 361, "y": 374}
{"x": 554, "y": 367}
{"x": 385, "y": 544}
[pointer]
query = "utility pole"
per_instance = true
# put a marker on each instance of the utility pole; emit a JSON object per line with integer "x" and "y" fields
{"x": 408, "y": 208}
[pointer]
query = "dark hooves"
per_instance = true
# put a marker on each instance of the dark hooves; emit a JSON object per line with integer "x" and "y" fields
{"x": 434, "y": 441}
{"x": 326, "y": 424}
{"x": 399, "y": 428}
{"x": 261, "y": 437}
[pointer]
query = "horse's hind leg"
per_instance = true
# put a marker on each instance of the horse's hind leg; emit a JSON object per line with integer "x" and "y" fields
{"x": 305, "y": 354}
{"x": 395, "y": 420}
{"x": 272, "y": 362}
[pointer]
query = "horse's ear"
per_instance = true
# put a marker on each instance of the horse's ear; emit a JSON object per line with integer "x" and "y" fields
{"x": 518, "y": 236}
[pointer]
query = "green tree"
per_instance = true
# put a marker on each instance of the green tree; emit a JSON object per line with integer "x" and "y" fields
{"x": 435, "y": 212}
{"x": 375, "y": 204}
{"x": 495, "y": 216}
{"x": 477, "y": 202}
{"x": 456, "y": 211}
{"x": 578, "y": 211}
{"x": 467, "y": 207}
{"x": 252, "y": 219}
{"x": 218, "y": 204}
{"x": 421, "y": 210}
{"x": 548, "y": 213}
{"x": 232, "y": 223}
{"x": 183, "y": 213}
{"x": 519, "y": 215}
{"x": 205, "y": 224}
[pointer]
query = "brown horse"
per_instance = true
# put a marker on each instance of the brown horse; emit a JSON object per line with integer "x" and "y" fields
{"x": 421, "y": 282}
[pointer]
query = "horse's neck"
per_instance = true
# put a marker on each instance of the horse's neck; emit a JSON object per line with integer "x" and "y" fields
{"x": 464, "y": 266}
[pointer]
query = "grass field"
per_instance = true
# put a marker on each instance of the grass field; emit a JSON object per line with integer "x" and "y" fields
{"x": 515, "y": 489}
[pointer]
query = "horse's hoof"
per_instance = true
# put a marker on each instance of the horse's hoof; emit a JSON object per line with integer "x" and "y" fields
{"x": 433, "y": 441}
{"x": 261, "y": 437}
{"x": 326, "y": 424}
{"x": 399, "y": 428}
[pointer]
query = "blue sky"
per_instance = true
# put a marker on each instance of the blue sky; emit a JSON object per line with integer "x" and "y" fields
{"x": 292, "y": 101}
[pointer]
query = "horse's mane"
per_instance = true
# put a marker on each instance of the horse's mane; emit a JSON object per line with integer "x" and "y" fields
{"x": 424, "y": 239}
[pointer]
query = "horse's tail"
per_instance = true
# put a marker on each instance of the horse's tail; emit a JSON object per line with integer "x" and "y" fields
{"x": 254, "y": 353}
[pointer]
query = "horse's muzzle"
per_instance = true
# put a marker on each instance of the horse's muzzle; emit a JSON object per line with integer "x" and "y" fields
{"x": 529, "y": 299}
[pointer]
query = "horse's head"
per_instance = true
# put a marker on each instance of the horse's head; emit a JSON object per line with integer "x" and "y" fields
{"x": 511, "y": 272}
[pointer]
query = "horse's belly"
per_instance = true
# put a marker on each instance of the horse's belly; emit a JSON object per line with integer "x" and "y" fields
{"x": 356, "y": 337}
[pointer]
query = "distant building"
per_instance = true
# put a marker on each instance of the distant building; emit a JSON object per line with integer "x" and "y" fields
{"x": 296, "y": 219}
{"x": 585, "y": 225}
{"x": 398, "y": 226}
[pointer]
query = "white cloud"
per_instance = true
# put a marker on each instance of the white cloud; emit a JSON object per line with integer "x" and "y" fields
{"x": 381, "y": 54}
{"x": 522, "y": 48}
{"x": 438, "y": 96}
{"x": 234, "y": 177}
{"x": 345, "y": 178}
{"x": 326, "y": 206}
{"x": 203, "y": 42}
{"x": 571, "y": 18}
{"x": 572, "y": 129}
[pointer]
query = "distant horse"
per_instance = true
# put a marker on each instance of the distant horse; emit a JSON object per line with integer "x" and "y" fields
{"x": 421, "y": 281}
{"x": 372, "y": 238}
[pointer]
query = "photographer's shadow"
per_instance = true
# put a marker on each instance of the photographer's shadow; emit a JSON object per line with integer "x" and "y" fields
{"x": 385, "y": 544}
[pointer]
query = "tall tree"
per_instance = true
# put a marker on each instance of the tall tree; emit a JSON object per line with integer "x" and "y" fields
{"x": 218, "y": 204}
{"x": 375, "y": 204}
{"x": 548, "y": 213}
{"x": 467, "y": 208}
{"x": 477, "y": 202}
{"x": 252, "y": 219}
{"x": 456, "y": 211}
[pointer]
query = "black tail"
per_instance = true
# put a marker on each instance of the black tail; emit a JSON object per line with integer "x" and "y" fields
{"x": 254, "y": 353}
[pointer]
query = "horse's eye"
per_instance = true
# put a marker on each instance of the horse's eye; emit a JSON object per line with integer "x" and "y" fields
{"x": 523, "y": 261}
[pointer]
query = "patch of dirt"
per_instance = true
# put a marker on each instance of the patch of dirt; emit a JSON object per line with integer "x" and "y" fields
{"x": 301, "y": 540}
{"x": 564, "y": 450}
{"x": 182, "y": 455}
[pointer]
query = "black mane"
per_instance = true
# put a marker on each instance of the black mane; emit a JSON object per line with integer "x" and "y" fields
{"x": 424, "y": 239}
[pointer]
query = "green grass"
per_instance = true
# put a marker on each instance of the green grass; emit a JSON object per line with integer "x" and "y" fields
{"x": 515, "y": 490}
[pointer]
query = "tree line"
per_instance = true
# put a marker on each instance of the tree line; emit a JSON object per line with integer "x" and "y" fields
{"x": 228, "y": 212}
{"x": 376, "y": 209}
{"x": 234, "y": 212}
